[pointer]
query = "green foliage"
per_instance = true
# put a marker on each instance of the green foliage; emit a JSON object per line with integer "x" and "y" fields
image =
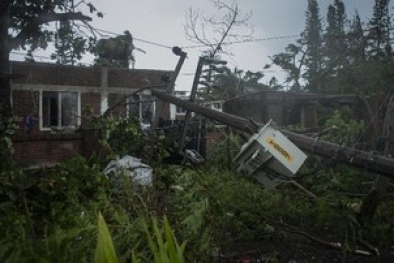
{"x": 29, "y": 16}
{"x": 210, "y": 209}
{"x": 105, "y": 251}
{"x": 346, "y": 129}
{"x": 164, "y": 250}
{"x": 120, "y": 136}
{"x": 7, "y": 129}
{"x": 291, "y": 61}
{"x": 222, "y": 153}
{"x": 69, "y": 44}
{"x": 50, "y": 215}
{"x": 123, "y": 136}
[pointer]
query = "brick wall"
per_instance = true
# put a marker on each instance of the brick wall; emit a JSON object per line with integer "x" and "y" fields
{"x": 65, "y": 75}
{"x": 91, "y": 100}
{"x": 46, "y": 148}
{"x": 135, "y": 78}
{"x": 36, "y": 149}
{"x": 54, "y": 74}
{"x": 113, "y": 100}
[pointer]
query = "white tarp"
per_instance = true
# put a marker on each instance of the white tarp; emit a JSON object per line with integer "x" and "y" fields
{"x": 132, "y": 166}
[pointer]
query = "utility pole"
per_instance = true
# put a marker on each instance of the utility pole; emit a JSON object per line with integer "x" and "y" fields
{"x": 192, "y": 98}
{"x": 201, "y": 62}
{"x": 171, "y": 83}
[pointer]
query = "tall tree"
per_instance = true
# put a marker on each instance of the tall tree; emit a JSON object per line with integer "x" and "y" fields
{"x": 312, "y": 38}
{"x": 335, "y": 37}
{"x": 24, "y": 23}
{"x": 354, "y": 76}
{"x": 293, "y": 62}
{"x": 357, "y": 42}
{"x": 379, "y": 31}
{"x": 379, "y": 63}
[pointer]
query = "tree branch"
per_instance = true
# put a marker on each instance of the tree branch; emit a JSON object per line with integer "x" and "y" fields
{"x": 36, "y": 22}
{"x": 219, "y": 28}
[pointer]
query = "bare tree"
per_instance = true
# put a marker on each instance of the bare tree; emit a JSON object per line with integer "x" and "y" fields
{"x": 215, "y": 32}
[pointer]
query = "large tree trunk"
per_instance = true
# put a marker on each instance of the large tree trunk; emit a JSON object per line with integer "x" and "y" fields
{"x": 5, "y": 86}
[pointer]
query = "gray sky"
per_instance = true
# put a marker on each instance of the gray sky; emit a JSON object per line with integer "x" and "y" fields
{"x": 162, "y": 22}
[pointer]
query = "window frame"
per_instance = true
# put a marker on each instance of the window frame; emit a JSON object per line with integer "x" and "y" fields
{"x": 41, "y": 114}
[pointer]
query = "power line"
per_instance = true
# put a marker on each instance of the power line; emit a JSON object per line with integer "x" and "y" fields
{"x": 152, "y": 43}
{"x": 18, "y": 53}
{"x": 200, "y": 45}
{"x": 250, "y": 40}
{"x": 364, "y": 30}
{"x": 134, "y": 38}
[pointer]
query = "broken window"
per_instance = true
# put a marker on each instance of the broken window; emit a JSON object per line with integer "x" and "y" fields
{"x": 59, "y": 109}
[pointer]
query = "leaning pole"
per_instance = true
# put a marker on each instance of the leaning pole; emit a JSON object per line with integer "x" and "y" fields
{"x": 352, "y": 156}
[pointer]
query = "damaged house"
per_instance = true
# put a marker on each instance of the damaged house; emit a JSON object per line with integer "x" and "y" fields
{"x": 51, "y": 98}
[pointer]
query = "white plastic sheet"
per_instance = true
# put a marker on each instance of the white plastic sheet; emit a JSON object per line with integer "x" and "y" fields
{"x": 131, "y": 166}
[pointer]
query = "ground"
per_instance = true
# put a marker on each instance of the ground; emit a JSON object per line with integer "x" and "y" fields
{"x": 300, "y": 252}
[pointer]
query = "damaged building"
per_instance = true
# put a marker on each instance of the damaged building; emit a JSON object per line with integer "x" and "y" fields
{"x": 292, "y": 108}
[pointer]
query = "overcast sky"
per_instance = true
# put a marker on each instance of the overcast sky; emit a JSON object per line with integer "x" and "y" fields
{"x": 162, "y": 22}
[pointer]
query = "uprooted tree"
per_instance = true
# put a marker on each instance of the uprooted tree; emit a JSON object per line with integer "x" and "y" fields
{"x": 25, "y": 25}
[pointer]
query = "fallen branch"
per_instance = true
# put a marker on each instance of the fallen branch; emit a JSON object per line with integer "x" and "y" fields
{"x": 334, "y": 245}
{"x": 352, "y": 194}
{"x": 302, "y": 188}
{"x": 369, "y": 246}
